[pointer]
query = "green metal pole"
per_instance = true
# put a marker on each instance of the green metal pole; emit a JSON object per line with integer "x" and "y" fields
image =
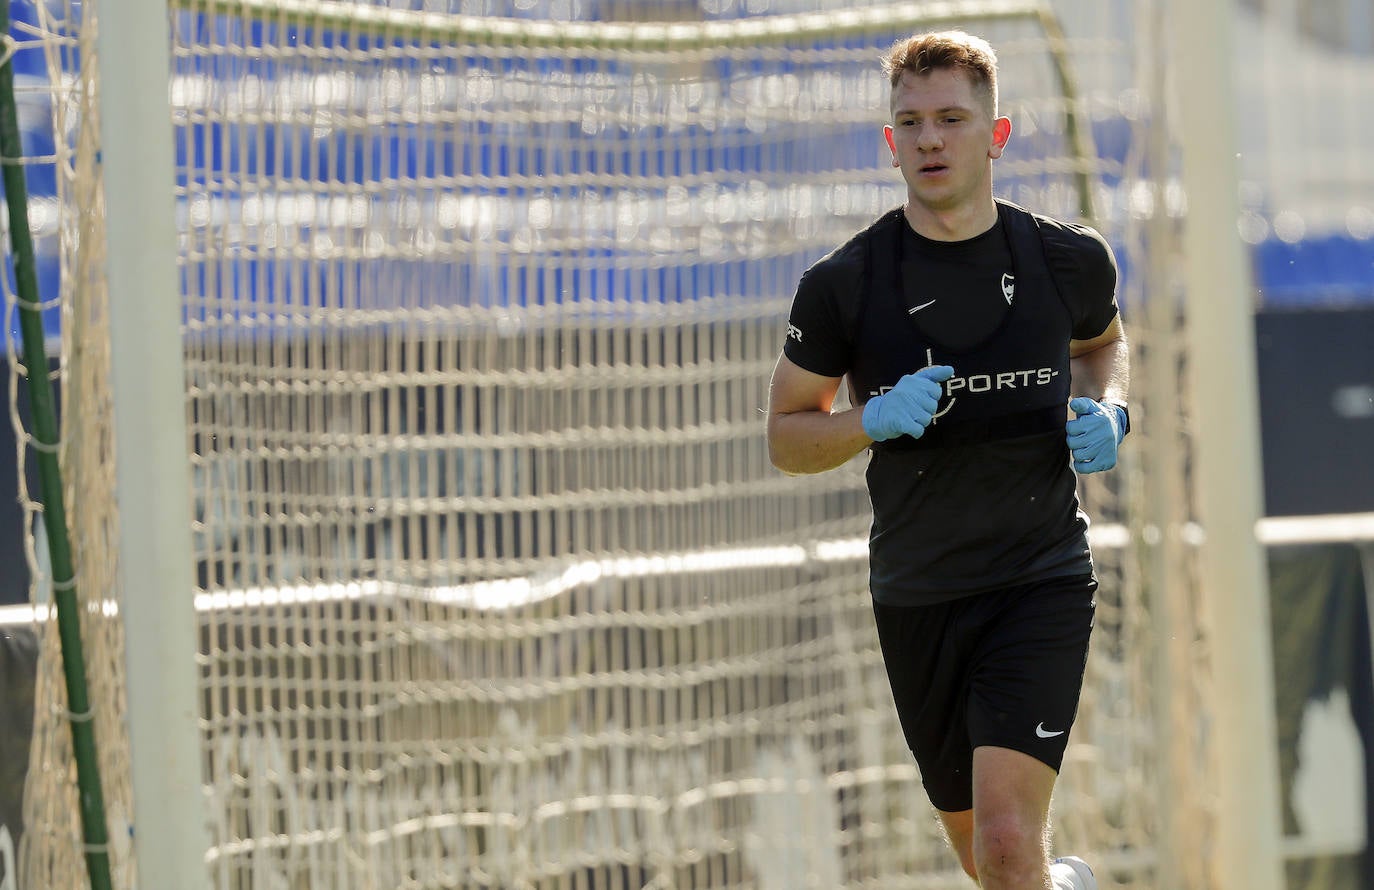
{"x": 45, "y": 435}
{"x": 1078, "y": 136}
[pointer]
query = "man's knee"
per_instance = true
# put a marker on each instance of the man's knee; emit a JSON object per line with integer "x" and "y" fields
{"x": 1009, "y": 848}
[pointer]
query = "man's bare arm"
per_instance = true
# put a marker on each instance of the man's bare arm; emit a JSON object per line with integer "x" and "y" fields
{"x": 1101, "y": 367}
{"x": 803, "y": 435}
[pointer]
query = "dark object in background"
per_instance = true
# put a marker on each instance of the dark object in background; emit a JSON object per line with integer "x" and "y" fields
{"x": 1316, "y": 386}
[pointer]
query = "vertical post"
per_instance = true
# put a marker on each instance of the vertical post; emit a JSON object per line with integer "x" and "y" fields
{"x": 152, "y": 466}
{"x": 1225, "y": 416}
{"x": 1170, "y": 585}
{"x": 62, "y": 575}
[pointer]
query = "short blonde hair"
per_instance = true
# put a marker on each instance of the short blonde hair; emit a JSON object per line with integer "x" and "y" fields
{"x": 954, "y": 50}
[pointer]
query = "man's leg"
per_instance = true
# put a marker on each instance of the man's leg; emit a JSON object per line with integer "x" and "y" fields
{"x": 1001, "y": 842}
{"x": 1011, "y": 809}
{"x": 959, "y": 833}
{"x": 1007, "y": 843}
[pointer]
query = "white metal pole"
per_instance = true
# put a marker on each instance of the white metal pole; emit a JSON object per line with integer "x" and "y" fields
{"x": 1225, "y": 419}
{"x": 1165, "y": 503}
{"x": 152, "y": 466}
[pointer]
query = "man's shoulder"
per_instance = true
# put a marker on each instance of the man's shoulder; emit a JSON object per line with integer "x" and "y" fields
{"x": 847, "y": 262}
{"x": 1080, "y": 241}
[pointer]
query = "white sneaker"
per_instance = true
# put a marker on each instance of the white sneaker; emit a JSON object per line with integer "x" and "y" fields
{"x": 1073, "y": 873}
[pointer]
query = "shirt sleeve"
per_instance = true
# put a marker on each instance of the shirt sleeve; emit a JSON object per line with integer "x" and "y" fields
{"x": 819, "y": 330}
{"x": 1085, "y": 271}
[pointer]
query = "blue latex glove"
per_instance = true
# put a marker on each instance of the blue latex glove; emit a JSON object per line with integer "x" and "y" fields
{"x": 906, "y": 409}
{"x": 1095, "y": 434}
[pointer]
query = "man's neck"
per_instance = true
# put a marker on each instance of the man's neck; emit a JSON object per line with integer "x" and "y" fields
{"x": 956, "y": 224}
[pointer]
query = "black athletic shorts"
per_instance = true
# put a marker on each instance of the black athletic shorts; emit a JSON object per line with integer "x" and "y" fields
{"x": 1003, "y": 668}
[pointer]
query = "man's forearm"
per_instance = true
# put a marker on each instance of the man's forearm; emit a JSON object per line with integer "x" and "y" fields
{"x": 804, "y": 442}
{"x": 1104, "y": 373}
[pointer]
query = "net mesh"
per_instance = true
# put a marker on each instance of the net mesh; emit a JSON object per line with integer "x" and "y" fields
{"x": 66, "y": 219}
{"x": 496, "y": 585}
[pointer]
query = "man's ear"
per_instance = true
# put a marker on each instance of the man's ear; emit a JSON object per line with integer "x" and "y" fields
{"x": 1001, "y": 132}
{"x": 891, "y": 144}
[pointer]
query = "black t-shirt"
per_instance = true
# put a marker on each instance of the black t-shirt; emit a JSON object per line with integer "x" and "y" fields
{"x": 986, "y": 498}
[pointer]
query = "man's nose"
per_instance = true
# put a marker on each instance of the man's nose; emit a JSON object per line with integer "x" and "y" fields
{"x": 928, "y": 138}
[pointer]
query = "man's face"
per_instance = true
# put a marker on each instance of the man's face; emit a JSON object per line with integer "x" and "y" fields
{"x": 942, "y": 137}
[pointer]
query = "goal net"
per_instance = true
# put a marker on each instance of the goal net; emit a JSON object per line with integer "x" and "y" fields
{"x": 496, "y": 586}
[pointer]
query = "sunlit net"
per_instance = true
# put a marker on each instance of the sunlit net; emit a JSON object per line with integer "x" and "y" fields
{"x": 497, "y": 587}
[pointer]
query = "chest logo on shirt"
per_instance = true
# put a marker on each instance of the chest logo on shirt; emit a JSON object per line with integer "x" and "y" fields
{"x": 794, "y": 332}
{"x": 1008, "y": 286}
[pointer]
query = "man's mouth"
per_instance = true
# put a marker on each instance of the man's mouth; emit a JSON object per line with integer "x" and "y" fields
{"x": 932, "y": 168}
